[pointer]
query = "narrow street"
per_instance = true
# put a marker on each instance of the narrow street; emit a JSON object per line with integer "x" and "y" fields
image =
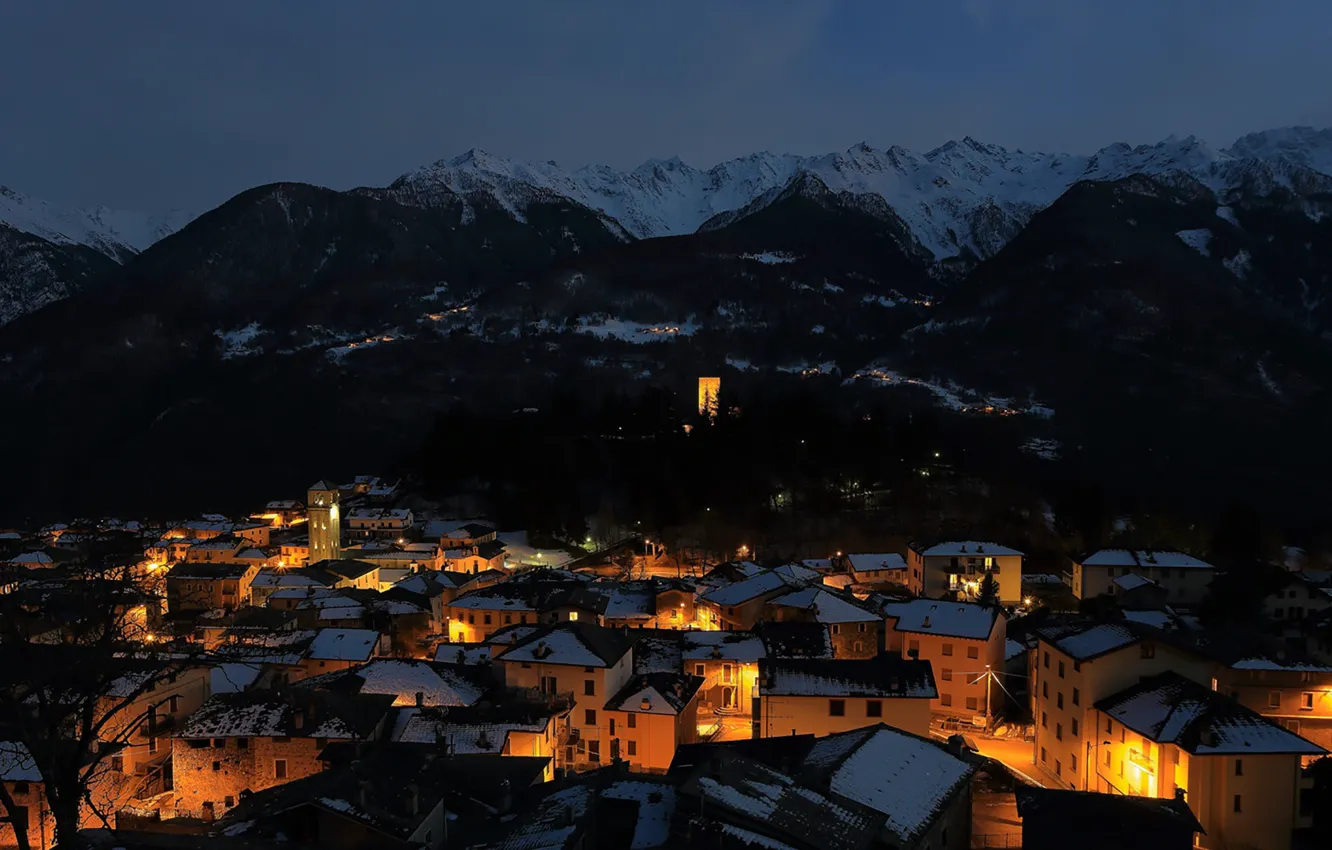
{"x": 1014, "y": 753}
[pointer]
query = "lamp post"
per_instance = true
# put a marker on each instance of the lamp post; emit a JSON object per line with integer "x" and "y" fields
{"x": 1088, "y": 764}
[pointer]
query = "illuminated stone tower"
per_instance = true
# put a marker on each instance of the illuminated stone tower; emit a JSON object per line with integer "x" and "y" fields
{"x": 708, "y": 389}
{"x": 325, "y": 524}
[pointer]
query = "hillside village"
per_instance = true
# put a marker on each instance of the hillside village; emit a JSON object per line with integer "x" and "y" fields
{"x": 347, "y": 671}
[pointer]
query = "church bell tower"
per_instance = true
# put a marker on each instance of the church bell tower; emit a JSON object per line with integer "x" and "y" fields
{"x": 325, "y": 522}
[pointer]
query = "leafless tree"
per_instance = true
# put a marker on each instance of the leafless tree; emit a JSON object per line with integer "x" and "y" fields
{"x": 78, "y": 665}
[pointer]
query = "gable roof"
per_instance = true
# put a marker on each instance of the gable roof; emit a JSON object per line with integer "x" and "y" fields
{"x": 343, "y": 645}
{"x": 794, "y": 639}
{"x": 905, "y": 777}
{"x": 574, "y": 644}
{"x": 865, "y": 562}
{"x": 730, "y": 646}
{"x": 953, "y": 619}
{"x": 1143, "y": 558}
{"x": 826, "y": 606}
{"x": 402, "y": 679}
{"x": 740, "y": 592}
{"x": 1115, "y": 812}
{"x": 967, "y": 548}
{"x": 885, "y": 676}
{"x": 1085, "y": 642}
{"x": 661, "y": 693}
{"x": 298, "y": 714}
{"x": 1171, "y": 709}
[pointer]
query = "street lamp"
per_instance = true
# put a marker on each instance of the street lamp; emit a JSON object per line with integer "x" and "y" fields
{"x": 1088, "y": 764}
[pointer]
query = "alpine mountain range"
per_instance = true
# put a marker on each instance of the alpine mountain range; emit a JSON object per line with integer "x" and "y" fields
{"x": 1081, "y": 293}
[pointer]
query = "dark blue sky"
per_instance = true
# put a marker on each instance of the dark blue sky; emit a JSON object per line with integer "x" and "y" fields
{"x": 158, "y": 103}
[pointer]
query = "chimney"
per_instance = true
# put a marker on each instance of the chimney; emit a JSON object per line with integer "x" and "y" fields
{"x": 925, "y": 624}
{"x": 420, "y": 699}
{"x": 964, "y": 548}
{"x": 716, "y": 651}
{"x": 1179, "y": 794}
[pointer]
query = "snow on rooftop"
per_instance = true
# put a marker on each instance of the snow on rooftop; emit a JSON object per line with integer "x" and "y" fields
{"x": 1273, "y": 664}
{"x": 520, "y": 551}
{"x": 968, "y": 548}
{"x": 559, "y": 646}
{"x": 17, "y": 763}
{"x": 448, "y": 653}
{"x": 902, "y": 776}
{"x": 1131, "y": 581}
{"x": 656, "y": 807}
{"x": 405, "y": 679}
{"x": 827, "y": 607}
{"x": 863, "y": 563}
{"x": 234, "y": 677}
{"x": 636, "y": 332}
{"x": 1013, "y": 648}
{"x": 1143, "y": 558}
{"x": 955, "y": 619}
{"x": 742, "y": 591}
{"x": 344, "y": 644}
{"x": 1096, "y": 640}
{"x": 732, "y": 646}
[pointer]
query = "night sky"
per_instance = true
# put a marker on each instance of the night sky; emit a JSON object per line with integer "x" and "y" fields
{"x": 149, "y": 105}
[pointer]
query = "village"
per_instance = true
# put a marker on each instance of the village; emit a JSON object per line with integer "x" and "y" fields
{"x": 340, "y": 670}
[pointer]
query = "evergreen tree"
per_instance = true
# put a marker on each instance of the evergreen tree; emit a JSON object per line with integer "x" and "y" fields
{"x": 989, "y": 591}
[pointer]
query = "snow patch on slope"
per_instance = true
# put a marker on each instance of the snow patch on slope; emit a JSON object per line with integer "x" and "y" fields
{"x": 1198, "y": 239}
{"x": 115, "y": 233}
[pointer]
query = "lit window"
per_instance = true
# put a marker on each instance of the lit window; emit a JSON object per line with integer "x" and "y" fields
{"x": 573, "y": 615}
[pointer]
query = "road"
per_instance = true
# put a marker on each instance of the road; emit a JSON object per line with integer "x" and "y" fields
{"x": 1014, "y": 753}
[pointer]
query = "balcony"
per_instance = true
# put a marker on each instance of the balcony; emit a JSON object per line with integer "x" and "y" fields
{"x": 1142, "y": 761}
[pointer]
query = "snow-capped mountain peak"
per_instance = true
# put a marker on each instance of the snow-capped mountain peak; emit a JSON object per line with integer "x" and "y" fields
{"x": 118, "y": 234}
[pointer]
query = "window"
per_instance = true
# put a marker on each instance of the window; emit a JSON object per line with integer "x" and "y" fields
{"x": 173, "y": 704}
{"x": 1045, "y": 690}
{"x": 860, "y": 627}
{"x": 1047, "y": 660}
{"x": 1074, "y": 726}
{"x": 279, "y": 768}
{"x": 1059, "y": 731}
{"x": 1107, "y": 758}
{"x": 1077, "y": 665}
{"x": 874, "y": 708}
{"x": 1306, "y": 701}
{"x": 632, "y": 721}
{"x": 1042, "y": 753}
{"x": 1274, "y": 699}
{"x": 913, "y": 647}
{"x": 282, "y": 740}
{"x": 152, "y": 744}
{"x": 1239, "y": 767}
{"x": 1045, "y": 718}
{"x": 1059, "y": 700}
{"x": 1073, "y": 763}
{"x": 700, "y": 670}
{"x": 1061, "y": 669}
{"x": 1148, "y": 650}
{"x": 217, "y": 765}
{"x": 836, "y": 708}
{"x": 589, "y": 687}
{"x": 228, "y": 801}
{"x": 948, "y": 649}
{"x": 633, "y": 746}
{"x": 1059, "y": 768}
{"x": 1239, "y": 806}
{"x": 508, "y": 619}
{"x": 573, "y": 615}
{"x": 945, "y": 700}
{"x": 611, "y": 725}
{"x": 594, "y": 751}
{"x": 486, "y": 619}
{"x": 1075, "y": 697}
{"x": 858, "y": 646}
{"x": 836, "y": 628}
{"x": 971, "y": 703}
{"x": 590, "y": 717}
{"x": 219, "y": 743}
{"x": 946, "y": 674}
{"x": 1293, "y": 726}
{"x": 973, "y": 652}
{"x": 242, "y": 743}
{"x": 1109, "y": 726}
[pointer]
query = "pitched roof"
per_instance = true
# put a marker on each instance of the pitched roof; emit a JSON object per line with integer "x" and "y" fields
{"x": 346, "y": 568}
{"x": 404, "y": 679}
{"x": 744, "y": 590}
{"x": 794, "y": 639}
{"x": 862, "y": 563}
{"x": 1143, "y": 558}
{"x": 1084, "y": 642}
{"x": 298, "y": 714}
{"x": 1171, "y": 709}
{"x": 1117, "y": 812}
{"x": 826, "y": 606}
{"x": 968, "y": 548}
{"x": 731, "y": 646}
{"x": 575, "y": 644}
{"x": 344, "y": 645}
{"x": 884, "y": 676}
{"x": 953, "y": 619}
{"x": 908, "y": 778}
{"x": 656, "y": 693}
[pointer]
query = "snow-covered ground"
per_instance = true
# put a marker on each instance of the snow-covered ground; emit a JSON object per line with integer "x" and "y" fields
{"x": 1198, "y": 240}
{"x": 239, "y": 342}
{"x": 770, "y": 258}
{"x": 521, "y": 552}
{"x": 807, "y": 370}
{"x": 1044, "y": 448}
{"x": 341, "y": 351}
{"x": 637, "y": 332}
{"x": 952, "y": 396}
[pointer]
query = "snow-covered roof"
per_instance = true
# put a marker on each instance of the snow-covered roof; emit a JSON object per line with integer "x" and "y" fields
{"x": 17, "y": 763}
{"x": 863, "y": 563}
{"x": 885, "y": 676}
{"x": 1089, "y": 642}
{"x": 1131, "y": 581}
{"x": 1171, "y": 709}
{"x": 252, "y": 714}
{"x": 968, "y": 548}
{"x": 1143, "y": 558}
{"x": 656, "y": 808}
{"x": 471, "y": 654}
{"x": 953, "y": 619}
{"x": 571, "y": 644}
{"x": 826, "y": 606}
{"x": 628, "y": 604}
{"x": 797, "y": 574}
{"x": 392, "y": 514}
{"x": 40, "y": 558}
{"x": 415, "y": 727}
{"x": 231, "y": 678}
{"x": 1013, "y": 648}
{"x": 730, "y": 646}
{"x": 907, "y": 778}
{"x": 743, "y": 591}
{"x": 1278, "y": 664}
{"x": 404, "y": 679}
{"x": 344, "y": 645}
{"x": 656, "y": 693}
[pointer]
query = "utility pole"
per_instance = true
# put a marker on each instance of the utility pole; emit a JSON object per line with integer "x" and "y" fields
{"x": 988, "y": 674}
